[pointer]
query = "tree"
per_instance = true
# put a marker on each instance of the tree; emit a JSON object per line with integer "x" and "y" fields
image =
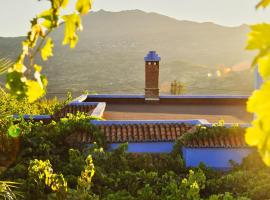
{"x": 259, "y": 103}
{"x": 24, "y": 78}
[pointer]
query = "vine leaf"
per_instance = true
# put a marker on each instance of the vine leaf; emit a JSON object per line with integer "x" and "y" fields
{"x": 14, "y": 131}
{"x": 35, "y": 90}
{"x": 46, "y": 51}
{"x": 59, "y": 3}
{"x": 263, "y": 4}
{"x": 49, "y": 17}
{"x": 264, "y": 66}
{"x": 72, "y": 23}
{"x": 259, "y": 38}
{"x": 16, "y": 84}
{"x": 83, "y": 6}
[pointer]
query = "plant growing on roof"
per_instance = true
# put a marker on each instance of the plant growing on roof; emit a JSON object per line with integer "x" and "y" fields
{"x": 24, "y": 78}
{"x": 259, "y": 102}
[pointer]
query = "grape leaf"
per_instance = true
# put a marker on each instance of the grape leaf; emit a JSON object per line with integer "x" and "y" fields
{"x": 34, "y": 90}
{"x": 263, "y": 4}
{"x": 72, "y": 23}
{"x": 264, "y": 66}
{"x": 16, "y": 84}
{"x": 46, "y": 51}
{"x": 83, "y": 6}
{"x": 14, "y": 131}
{"x": 59, "y": 3}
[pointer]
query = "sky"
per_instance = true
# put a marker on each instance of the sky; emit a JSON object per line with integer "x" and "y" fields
{"x": 16, "y": 14}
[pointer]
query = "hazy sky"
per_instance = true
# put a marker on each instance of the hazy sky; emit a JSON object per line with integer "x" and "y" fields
{"x": 15, "y": 14}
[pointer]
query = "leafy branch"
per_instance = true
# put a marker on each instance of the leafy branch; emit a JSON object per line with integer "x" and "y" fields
{"x": 24, "y": 78}
{"x": 259, "y": 102}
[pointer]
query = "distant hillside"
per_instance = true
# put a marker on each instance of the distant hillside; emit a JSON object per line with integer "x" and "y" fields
{"x": 109, "y": 56}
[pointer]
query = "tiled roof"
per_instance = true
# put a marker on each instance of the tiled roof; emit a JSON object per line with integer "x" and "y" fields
{"x": 159, "y": 132}
{"x": 144, "y": 132}
{"x": 230, "y": 141}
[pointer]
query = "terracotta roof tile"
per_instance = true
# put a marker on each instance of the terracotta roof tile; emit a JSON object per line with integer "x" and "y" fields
{"x": 230, "y": 141}
{"x": 161, "y": 132}
{"x": 143, "y": 132}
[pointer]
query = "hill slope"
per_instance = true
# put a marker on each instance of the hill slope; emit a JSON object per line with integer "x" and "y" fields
{"x": 109, "y": 56}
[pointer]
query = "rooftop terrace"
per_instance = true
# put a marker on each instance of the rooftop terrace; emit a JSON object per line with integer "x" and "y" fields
{"x": 232, "y": 109}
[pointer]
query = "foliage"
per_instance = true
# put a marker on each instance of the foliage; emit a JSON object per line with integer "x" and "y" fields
{"x": 9, "y": 105}
{"x": 24, "y": 78}
{"x": 259, "y": 102}
{"x": 216, "y": 131}
{"x": 93, "y": 172}
{"x": 9, "y": 190}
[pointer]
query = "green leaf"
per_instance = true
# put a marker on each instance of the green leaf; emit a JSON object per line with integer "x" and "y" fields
{"x": 72, "y": 23}
{"x": 263, "y": 4}
{"x": 83, "y": 6}
{"x": 14, "y": 131}
{"x": 46, "y": 51}
{"x": 15, "y": 82}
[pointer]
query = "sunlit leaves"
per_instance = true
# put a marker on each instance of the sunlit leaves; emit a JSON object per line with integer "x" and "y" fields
{"x": 16, "y": 84}
{"x": 263, "y": 4}
{"x": 259, "y": 102}
{"x": 46, "y": 51}
{"x": 50, "y": 18}
{"x": 259, "y": 38}
{"x": 36, "y": 31}
{"x": 24, "y": 78}
{"x": 14, "y": 131}
{"x": 59, "y": 3}
{"x": 72, "y": 24}
{"x": 83, "y": 6}
{"x": 264, "y": 66}
{"x": 35, "y": 90}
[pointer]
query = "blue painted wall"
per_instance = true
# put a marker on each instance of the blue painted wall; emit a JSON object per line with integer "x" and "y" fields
{"x": 147, "y": 147}
{"x": 217, "y": 158}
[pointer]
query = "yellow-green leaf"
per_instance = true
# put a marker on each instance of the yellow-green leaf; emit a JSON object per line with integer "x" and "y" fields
{"x": 50, "y": 18}
{"x": 37, "y": 68}
{"x": 83, "y": 6}
{"x": 34, "y": 91}
{"x": 46, "y": 51}
{"x": 259, "y": 100}
{"x": 15, "y": 82}
{"x": 259, "y": 37}
{"x": 59, "y": 3}
{"x": 264, "y": 66}
{"x": 14, "y": 131}
{"x": 72, "y": 23}
{"x": 263, "y": 4}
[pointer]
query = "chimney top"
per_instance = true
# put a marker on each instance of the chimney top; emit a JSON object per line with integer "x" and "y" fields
{"x": 152, "y": 56}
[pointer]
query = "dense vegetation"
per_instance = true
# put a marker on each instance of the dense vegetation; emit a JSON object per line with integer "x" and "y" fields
{"x": 49, "y": 166}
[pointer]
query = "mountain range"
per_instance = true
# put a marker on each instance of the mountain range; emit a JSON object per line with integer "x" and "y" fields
{"x": 207, "y": 58}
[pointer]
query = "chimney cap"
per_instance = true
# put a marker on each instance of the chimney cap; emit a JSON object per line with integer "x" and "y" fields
{"x": 152, "y": 56}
